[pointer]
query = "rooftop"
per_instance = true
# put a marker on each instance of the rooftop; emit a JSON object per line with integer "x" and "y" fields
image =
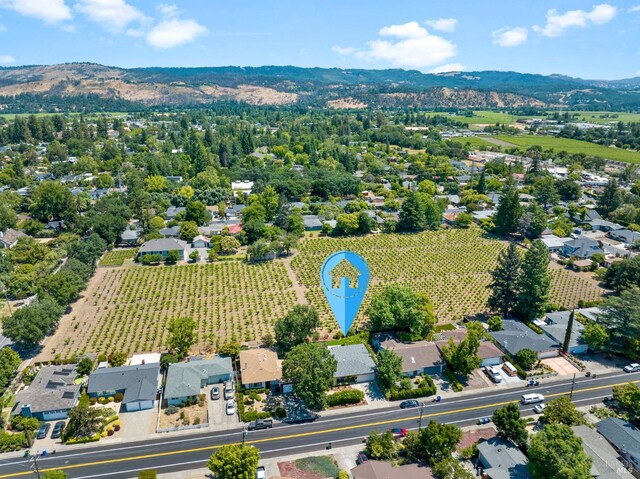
{"x": 384, "y": 470}
{"x": 353, "y": 360}
{"x": 503, "y": 460}
{"x": 52, "y": 389}
{"x": 516, "y": 336}
{"x": 605, "y": 458}
{"x": 185, "y": 379}
{"x": 259, "y": 365}
{"x": 162, "y": 244}
{"x": 139, "y": 382}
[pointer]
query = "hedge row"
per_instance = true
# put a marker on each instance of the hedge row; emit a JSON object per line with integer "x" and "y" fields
{"x": 248, "y": 416}
{"x": 348, "y": 396}
{"x": 82, "y": 440}
{"x": 424, "y": 389}
{"x": 455, "y": 384}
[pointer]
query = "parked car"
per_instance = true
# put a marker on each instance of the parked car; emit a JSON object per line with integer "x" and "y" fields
{"x": 43, "y": 431}
{"x": 493, "y": 374}
{"x": 409, "y": 403}
{"x": 632, "y": 368}
{"x": 231, "y": 407}
{"x": 260, "y": 424}
{"x": 398, "y": 432}
{"x": 228, "y": 390}
{"x": 484, "y": 420}
{"x": 215, "y": 393}
{"x": 57, "y": 430}
{"x": 261, "y": 473}
{"x": 539, "y": 408}
{"x": 362, "y": 457}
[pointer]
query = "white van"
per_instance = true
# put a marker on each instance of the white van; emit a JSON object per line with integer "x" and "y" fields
{"x": 532, "y": 398}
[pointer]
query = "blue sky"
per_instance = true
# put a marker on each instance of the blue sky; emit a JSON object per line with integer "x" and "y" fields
{"x": 577, "y": 38}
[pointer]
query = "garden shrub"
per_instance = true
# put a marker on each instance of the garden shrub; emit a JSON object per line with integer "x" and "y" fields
{"x": 279, "y": 413}
{"x": 171, "y": 410}
{"x": 148, "y": 474}
{"x": 455, "y": 384}
{"x": 425, "y": 388}
{"x": 348, "y": 396}
{"x": 343, "y": 474}
{"x": 118, "y": 397}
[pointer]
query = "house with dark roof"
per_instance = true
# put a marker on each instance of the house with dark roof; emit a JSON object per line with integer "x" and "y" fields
{"x": 129, "y": 237}
{"x": 185, "y": 380}
{"x": 162, "y": 247}
{"x": 170, "y": 231}
{"x": 624, "y": 437}
{"x": 10, "y": 237}
{"x": 581, "y": 248}
{"x": 355, "y": 364}
{"x": 628, "y": 237}
{"x": 311, "y": 223}
{"x": 51, "y": 394}
{"x": 501, "y": 459}
{"x": 516, "y": 335}
{"x": 599, "y": 224}
{"x": 555, "y": 326}
{"x": 138, "y": 384}
{"x": 418, "y": 357}
{"x": 385, "y": 470}
{"x": 172, "y": 211}
{"x": 606, "y": 463}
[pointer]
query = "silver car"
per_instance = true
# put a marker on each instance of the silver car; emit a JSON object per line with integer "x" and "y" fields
{"x": 231, "y": 407}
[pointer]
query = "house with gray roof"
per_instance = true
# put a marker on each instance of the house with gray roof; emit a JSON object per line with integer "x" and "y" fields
{"x": 624, "y": 437}
{"x": 606, "y": 463}
{"x": 556, "y": 328}
{"x": 355, "y": 364}
{"x": 581, "y": 248}
{"x": 138, "y": 384}
{"x": 418, "y": 357}
{"x": 162, "y": 247}
{"x": 185, "y": 380}
{"x": 51, "y": 394}
{"x": 129, "y": 237}
{"x": 311, "y": 223}
{"x": 10, "y": 237}
{"x": 516, "y": 335}
{"x": 172, "y": 211}
{"x": 501, "y": 459}
{"x": 599, "y": 224}
{"x": 626, "y": 236}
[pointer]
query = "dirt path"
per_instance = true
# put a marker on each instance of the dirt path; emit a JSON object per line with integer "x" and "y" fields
{"x": 297, "y": 287}
{"x": 498, "y": 142}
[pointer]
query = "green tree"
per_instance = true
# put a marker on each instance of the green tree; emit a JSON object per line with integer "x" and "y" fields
{"x": 57, "y": 474}
{"x": 295, "y": 327}
{"x": 63, "y": 286}
{"x": 504, "y": 286}
{"x": 194, "y": 256}
{"x": 30, "y": 324}
{"x": 545, "y": 191}
{"x": 117, "y": 358}
{"x": 182, "y": 335}
{"x": 84, "y": 422}
{"x": 388, "y": 368}
{"x": 463, "y": 357}
{"x": 621, "y": 318}
{"x": 173, "y": 256}
{"x": 52, "y": 200}
{"x": 527, "y": 358}
{"x": 270, "y": 201}
{"x": 628, "y": 396}
{"x": 155, "y": 183}
{"x": 508, "y": 213}
{"x": 427, "y": 187}
{"x": 495, "y": 323}
{"x": 398, "y": 307}
{"x": 8, "y": 217}
{"x": 366, "y": 223}
{"x": 562, "y": 411}
{"x": 434, "y": 443}
{"x": 234, "y": 461}
{"x": 188, "y": 231}
{"x": 412, "y": 214}
{"x": 229, "y": 245}
{"x": 197, "y": 212}
{"x": 380, "y": 446}
{"x": 533, "y": 221}
{"x": 310, "y": 368}
{"x": 450, "y": 468}
{"x": 595, "y": 335}
{"x": 85, "y": 366}
{"x": 534, "y": 282}
{"x": 510, "y": 425}
{"x": 9, "y": 363}
{"x": 567, "y": 334}
{"x": 610, "y": 199}
{"x": 27, "y": 425}
{"x": 557, "y": 453}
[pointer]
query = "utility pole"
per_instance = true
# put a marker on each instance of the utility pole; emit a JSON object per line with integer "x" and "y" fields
{"x": 421, "y": 411}
{"x": 572, "y": 384}
{"x": 35, "y": 465}
{"x": 244, "y": 434}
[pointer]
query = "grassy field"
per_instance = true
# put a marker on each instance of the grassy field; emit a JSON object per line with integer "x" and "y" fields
{"x": 486, "y": 117}
{"x": 483, "y": 117}
{"x": 572, "y": 146}
{"x": 605, "y": 116}
{"x": 117, "y": 257}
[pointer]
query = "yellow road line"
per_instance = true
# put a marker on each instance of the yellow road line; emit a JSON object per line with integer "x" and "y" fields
{"x": 303, "y": 434}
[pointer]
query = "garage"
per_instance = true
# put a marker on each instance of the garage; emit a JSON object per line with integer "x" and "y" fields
{"x": 137, "y": 406}
{"x": 53, "y": 415}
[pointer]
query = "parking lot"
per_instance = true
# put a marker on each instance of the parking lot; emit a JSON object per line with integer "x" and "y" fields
{"x": 218, "y": 418}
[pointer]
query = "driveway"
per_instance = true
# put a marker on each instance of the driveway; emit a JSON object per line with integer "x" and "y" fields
{"x": 561, "y": 366}
{"x": 218, "y": 418}
{"x": 137, "y": 425}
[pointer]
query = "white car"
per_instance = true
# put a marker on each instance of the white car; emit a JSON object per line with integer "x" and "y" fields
{"x": 539, "y": 408}
{"x": 231, "y": 407}
{"x": 631, "y": 368}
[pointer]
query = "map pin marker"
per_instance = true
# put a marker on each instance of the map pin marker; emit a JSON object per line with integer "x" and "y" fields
{"x": 343, "y": 297}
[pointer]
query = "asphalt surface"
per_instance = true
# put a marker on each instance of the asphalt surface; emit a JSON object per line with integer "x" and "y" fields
{"x": 169, "y": 454}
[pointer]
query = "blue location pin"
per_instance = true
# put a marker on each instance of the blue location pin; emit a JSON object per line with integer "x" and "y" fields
{"x": 343, "y": 299}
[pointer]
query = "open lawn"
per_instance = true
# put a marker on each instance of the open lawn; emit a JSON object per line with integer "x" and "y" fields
{"x": 117, "y": 257}
{"x": 486, "y": 117}
{"x": 604, "y": 117}
{"x": 572, "y": 146}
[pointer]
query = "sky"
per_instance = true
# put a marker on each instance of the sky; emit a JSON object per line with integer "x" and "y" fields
{"x": 571, "y": 37}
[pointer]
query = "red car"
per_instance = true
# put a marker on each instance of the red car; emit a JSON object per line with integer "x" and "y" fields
{"x": 398, "y": 432}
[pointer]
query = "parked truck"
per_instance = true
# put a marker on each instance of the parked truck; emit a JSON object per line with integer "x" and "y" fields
{"x": 260, "y": 424}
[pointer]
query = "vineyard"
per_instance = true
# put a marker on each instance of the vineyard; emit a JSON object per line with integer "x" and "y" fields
{"x": 451, "y": 266}
{"x": 117, "y": 257}
{"x": 127, "y": 309}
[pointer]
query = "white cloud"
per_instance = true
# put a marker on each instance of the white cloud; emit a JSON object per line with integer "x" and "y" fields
{"x": 449, "y": 67}
{"x": 634, "y": 9}
{"x": 113, "y": 15}
{"x": 173, "y": 33}
{"x": 6, "y": 59}
{"x": 168, "y": 10}
{"x": 413, "y": 47}
{"x": 510, "y": 37}
{"x": 49, "y": 11}
{"x": 557, "y": 23}
{"x": 443, "y": 24}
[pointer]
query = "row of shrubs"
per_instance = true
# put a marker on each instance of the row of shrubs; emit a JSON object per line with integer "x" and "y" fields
{"x": 455, "y": 384}
{"x": 118, "y": 397}
{"x": 348, "y": 396}
{"x": 248, "y": 416}
{"x": 425, "y": 388}
{"x": 11, "y": 442}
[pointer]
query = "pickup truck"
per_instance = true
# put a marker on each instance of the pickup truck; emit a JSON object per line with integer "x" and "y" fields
{"x": 260, "y": 424}
{"x": 261, "y": 473}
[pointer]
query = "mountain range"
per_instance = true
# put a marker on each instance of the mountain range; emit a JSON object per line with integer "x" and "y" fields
{"x": 77, "y": 86}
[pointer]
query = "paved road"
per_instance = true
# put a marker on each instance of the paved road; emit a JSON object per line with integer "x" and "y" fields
{"x": 189, "y": 452}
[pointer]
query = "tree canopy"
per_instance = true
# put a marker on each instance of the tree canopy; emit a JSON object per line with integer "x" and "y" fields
{"x": 557, "y": 453}
{"x": 295, "y": 327}
{"x": 234, "y": 461}
{"x": 310, "y": 368}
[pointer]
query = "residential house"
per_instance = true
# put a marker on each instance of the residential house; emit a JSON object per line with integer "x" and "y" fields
{"x": 311, "y": 223}
{"x": 599, "y": 224}
{"x": 628, "y": 237}
{"x": 201, "y": 241}
{"x": 481, "y": 215}
{"x": 172, "y": 211}
{"x": 10, "y": 237}
{"x": 242, "y": 187}
{"x": 234, "y": 211}
{"x": 385, "y": 470}
{"x": 170, "y": 232}
{"x": 138, "y": 384}
{"x": 624, "y": 437}
{"x": 51, "y": 394}
{"x": 185, "y": 380}
{"x": 163, "y": 246}
{"x": 129, "y": 237}
{"x": 419, "y": 357}
{"x": 259, "y": 368}
{"x": 354, "y": 364}
{"x": 516, "y": 335}
{"x": 554, "y": 243}
{"x": 489, "y": 353}
{"x": 57, "y": 225}
{"x": 501, "y": 459}
{"x": 606, "y": 464}
{"x": 581, "y": 248}
{"x": 556, "y": 328}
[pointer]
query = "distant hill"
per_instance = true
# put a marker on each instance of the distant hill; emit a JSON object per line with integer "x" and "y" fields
{"x": 88, "y": 85}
